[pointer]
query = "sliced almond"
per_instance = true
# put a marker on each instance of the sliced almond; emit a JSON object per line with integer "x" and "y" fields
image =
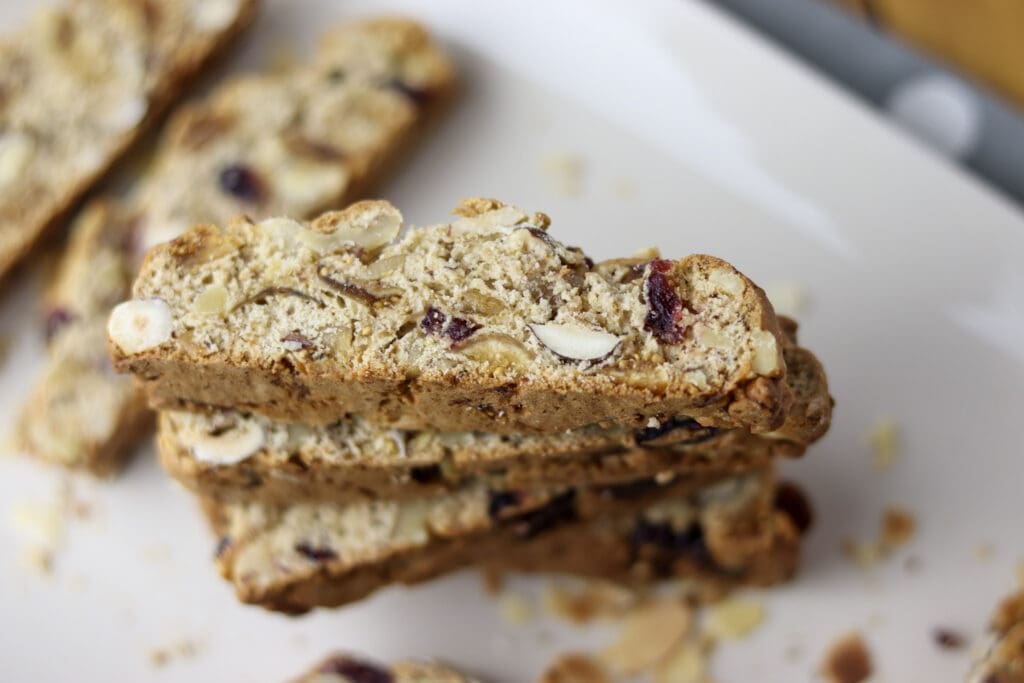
{"x": 733, "y": 618}
{"x": 648, "y": 636}
{"x": 138, "y": 325}
{"x": 367, "y": 225}
{"x": 230, "y": 446}
{"x": 574, "y": 342}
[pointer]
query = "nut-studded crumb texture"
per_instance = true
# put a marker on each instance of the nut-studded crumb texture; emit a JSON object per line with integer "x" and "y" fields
{"x": 486, "y": 323}
{"x": 1003, "y": 661}
{"x": 296, "y": 142}
{"x": 293, "y": 558}
{"x": 230, "y": 456}
{"x": 80, "y": 82}
{"x": 347, "y": 668}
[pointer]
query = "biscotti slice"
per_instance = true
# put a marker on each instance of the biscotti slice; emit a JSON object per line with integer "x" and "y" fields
{"x": 293, "y": 558}
{"x": 79, "y": 84}
{"x": 322, "y": 131}
{"x": 345, "y": 668}
{"x": 233, "y": 456}
{"x": 1003, "y": 659}
{"x": 486, "y": 323}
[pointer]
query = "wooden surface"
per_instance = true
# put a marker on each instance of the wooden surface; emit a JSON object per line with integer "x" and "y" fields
{"x": 982, "y": 38}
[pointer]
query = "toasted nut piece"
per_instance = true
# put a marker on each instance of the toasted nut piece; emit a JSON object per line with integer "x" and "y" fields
{"x": 368, "y": 225}
{"x": 574, "y": 342}
{"x": 139, "y": 325}
{"x": 213, "y": 299}
{"x": 734, "y": 618}
{"x": 228, "y": 447}
{"x": 766, "y": 353}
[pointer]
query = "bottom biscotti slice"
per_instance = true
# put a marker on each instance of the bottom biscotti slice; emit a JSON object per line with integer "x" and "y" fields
{"x": 1003, "y": 661}
{"x": 294, "y": 558}
{"x": 344, "y": 668}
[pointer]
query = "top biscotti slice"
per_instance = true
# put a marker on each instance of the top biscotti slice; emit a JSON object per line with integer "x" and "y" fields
{"x": 486, "y": 323}
{"x": 79, "y": 83}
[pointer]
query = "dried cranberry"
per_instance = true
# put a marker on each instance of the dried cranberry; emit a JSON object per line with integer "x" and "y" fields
{"x": 561, "y": 508}
{"x": 417, "y": 96}
{"x": 241, "y": 182}
{"x": 433, "y": 321}
{"x": 499, "y": 500}
{"x": 792, "y": 501}
{"x": 58, "y": 319}
{"x": 315, "y": 554}
{"x": 354, "y": 670}
{"x": 425, "y": 474}
{"x": 683, "y": 430}
{"x": 223, "y": 543}
{"x": 664, "y": 306}
{"x": 459, "y": 329}
{"x": 688, "y": 542}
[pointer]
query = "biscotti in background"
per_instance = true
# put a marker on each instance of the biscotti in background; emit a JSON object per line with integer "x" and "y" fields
{"x": 295, "y": 142}
{"x": 81, "y": 81}
{"x": 484, "y": 323}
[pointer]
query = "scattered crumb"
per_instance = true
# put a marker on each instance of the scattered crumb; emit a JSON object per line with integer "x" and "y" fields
{"x": 649, "y": 634}
{"x": 624, "y": 188}
{"x": 565, "y": 171}
{"x": 733, "y": 618}
{"x": 492, "y": 579}
{"x": 948, "y": 639}
{"x": 574, "y": 668}
{"x": 515, "y": 610}
{"x": 687, "y": 664}
{"x": 596, "y": 599}
{"x": 885, "y": 443}
{"x": 183, "y": 649}
{"x": 38, "y": 560}
{"x": 898, "y": 527}
{"x": 984, "y": 552}
{"x": 787, "y": 297}
{"x": 847, "y": 660}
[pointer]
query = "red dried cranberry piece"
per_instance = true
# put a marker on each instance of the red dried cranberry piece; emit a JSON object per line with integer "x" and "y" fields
{"x": 561, "y": 508}
{"x": 499, "y": 500}
{"x": 58, "y": 319}
{"x": 691, "y": 432}
{"x": 354, "y": 670}
{"x": 664, "y": 306}
{"x": 792, "y": 501}
{"x": 425, "y": 474}
{"x": 688, "y": 542}
{"x": 241, "y": 182}
{"x": 459, "y": 329}
{"x": 433, "y": 321}
{"x": 315, "y": 554}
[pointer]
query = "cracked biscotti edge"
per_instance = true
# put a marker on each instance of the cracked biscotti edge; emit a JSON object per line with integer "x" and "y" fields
{"x": 346, "y": 668}
{"x": 186, "y": 362}
{"x": 229, "y": 456}
{"x": 59, "y": 423}
{"x": 25, "y": 230}
{"x": 294, "y": 558}
{"x": 1003, "y": 658}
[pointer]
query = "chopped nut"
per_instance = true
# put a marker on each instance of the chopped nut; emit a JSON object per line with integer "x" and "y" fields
{"x": 686, "y": 665}
{"x": 574, "y": 668}
{"x": 515, "y": 610}
{"x": 183, "y": 649}
{"x": 733, "y": 618}
{"x": 574, "y": 342}
{"x": 649, "y": 634}
{"x": 885, "y": 443}
{"x": 847, "y": 661}
{"x": 140, "y": 324}
{"x": 212, "y": 300}
{"x": 728, "y": 281}
{"x": 229, "y": 446}
{"x": 596, "y": 599}
{"x": 766, "y": 353}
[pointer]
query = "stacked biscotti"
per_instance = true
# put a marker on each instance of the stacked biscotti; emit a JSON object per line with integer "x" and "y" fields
{"x": 357, "y": 406}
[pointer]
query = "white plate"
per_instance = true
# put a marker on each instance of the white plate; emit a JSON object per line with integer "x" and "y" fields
{"x": 916, "y": 291}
